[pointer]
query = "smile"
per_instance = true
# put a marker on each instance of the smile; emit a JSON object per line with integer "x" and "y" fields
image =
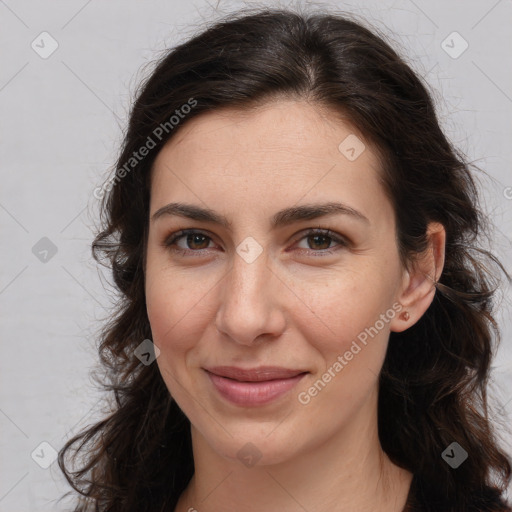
{"x": 253, "y": 387}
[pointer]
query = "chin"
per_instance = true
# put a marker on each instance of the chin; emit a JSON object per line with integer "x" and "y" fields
{"x": 254, "y": 446}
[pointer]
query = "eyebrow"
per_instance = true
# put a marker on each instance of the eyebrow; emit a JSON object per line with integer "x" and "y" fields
{"x": 284, "y": 217}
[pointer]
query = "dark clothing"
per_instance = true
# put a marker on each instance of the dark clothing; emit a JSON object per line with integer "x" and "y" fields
{"x": 418, "y": 500}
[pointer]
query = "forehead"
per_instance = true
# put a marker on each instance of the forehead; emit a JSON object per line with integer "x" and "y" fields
{"x": 284, "y": 125}
{"x": 277, "y": 153}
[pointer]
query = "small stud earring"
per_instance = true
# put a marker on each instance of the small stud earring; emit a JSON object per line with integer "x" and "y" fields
{"x": 405, "y": 316}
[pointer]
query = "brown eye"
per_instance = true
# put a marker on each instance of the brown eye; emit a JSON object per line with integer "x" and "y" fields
{"x": 194, "y": 241}
{"x": 320, "y": 240}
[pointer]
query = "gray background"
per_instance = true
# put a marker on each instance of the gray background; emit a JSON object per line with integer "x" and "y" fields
{"x": 61, "y": 124}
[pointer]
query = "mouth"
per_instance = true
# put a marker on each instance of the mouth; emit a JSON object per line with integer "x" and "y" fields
{"x": 255, "y": 386}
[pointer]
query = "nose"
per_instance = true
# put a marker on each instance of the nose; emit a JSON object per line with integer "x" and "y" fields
{"x": 251, "y": 307}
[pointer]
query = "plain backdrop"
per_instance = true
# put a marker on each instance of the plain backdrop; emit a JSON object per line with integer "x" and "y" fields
{"x": 62, "y": 116}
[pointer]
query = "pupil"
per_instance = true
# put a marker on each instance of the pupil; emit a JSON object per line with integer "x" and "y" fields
{"x": 316, "y": 237}
{"x": 193, "y": 237}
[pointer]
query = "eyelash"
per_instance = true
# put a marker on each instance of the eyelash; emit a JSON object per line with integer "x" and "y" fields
{"x": 174, "y": 237}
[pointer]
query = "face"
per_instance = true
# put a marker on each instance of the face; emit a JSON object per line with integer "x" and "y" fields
{"x": 279, "y": 283}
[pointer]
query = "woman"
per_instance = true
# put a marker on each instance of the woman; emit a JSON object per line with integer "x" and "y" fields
{"x": 306, "y": 316}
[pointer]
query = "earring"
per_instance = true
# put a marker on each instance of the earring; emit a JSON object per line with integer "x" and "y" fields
{"x": 405, "y": 316}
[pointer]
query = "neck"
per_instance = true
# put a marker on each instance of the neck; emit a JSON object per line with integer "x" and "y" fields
{"x": 348, "y": 473}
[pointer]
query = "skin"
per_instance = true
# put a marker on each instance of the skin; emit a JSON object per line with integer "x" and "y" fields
{"x": 291, "y": 307}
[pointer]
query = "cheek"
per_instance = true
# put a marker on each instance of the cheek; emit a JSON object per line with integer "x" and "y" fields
{"x": 350, "y": 340}
{"x": 342, "y": 308}
{"x": 349, "y": 334}
{"x": 169, "y": 306}
{"x": 169, "y": 313}
{"x": 180, "y": 312}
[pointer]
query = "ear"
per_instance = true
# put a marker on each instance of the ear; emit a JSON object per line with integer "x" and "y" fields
{"x": 419, "y": 283}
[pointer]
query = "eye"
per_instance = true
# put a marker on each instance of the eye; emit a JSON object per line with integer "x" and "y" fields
{"x": 322, "y": 239}
{"x": 193, "y": 241}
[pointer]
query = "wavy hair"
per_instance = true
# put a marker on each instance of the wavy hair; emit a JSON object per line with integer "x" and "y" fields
{"x": 432, "y": 387}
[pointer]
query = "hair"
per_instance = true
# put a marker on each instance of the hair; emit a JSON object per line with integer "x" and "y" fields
{"x": 432, "y": 387}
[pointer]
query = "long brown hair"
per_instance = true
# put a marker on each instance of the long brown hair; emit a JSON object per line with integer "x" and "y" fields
{"x": 432, "y": 389}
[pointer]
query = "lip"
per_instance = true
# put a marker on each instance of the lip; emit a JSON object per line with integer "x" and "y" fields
{"x": 254, "y": 386}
